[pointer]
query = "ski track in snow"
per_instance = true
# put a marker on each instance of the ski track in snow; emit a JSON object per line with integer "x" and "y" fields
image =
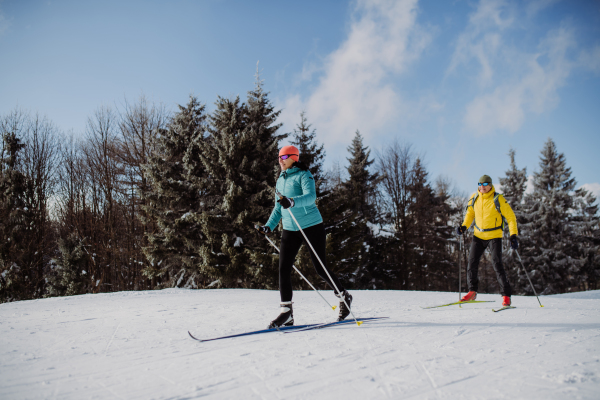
{"x": 134, "y": 345}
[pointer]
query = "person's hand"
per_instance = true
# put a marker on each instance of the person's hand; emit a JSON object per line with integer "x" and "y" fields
{"x": 514, "y": 242}
{"x": 263, "y": 229}
{"x": 286, "y": 202}
{"x": 460, "y": 230}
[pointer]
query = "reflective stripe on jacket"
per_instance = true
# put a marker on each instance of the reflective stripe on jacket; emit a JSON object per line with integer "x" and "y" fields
{"x": 300, "y": 186}
{"x": 487, "y": 217}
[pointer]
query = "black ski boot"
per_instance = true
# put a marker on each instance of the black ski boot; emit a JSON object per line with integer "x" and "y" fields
{"x": 285, "y": 318}
{"x": 344, "y": 311}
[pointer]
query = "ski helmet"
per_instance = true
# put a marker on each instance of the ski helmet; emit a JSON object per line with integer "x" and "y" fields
{"x": 291, "y": 151}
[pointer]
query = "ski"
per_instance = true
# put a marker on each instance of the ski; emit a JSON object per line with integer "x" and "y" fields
{"x": 347, "y": 321}
{"x": 459, "y": 302}
{"x": 282, "y": 328}
{"x": 503, "y": 308}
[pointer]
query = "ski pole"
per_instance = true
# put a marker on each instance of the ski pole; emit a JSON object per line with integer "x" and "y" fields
{"x": 527, "y": 275}
{"x": 297, "y": 270}
{"x": 321, "y": 262}
{"x": 459, "y": 269}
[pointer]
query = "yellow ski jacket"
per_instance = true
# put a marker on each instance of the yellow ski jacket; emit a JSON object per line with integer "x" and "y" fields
{"x": 488, "y": 221}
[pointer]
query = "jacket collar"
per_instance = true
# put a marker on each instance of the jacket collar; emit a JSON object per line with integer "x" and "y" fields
{"x": 289, "y": 171}
{"x": 488, "y": 194}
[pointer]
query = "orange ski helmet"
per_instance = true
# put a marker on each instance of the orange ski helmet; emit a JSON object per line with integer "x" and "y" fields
{"x": 290, "y": 151}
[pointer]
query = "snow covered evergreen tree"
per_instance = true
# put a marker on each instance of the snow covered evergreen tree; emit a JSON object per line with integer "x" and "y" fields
{"x": 240, "y": 157}
{"x": 69, "y": 275}
{"x": 587, "y": 227}
{"x": 173, "y": 201}
{"x": 514, "y": 184}
{"x": 548, "y": 233}
{"x": 352, "y": 238}
{"x": 13, "y": 222}
{"x": 429, "y": 232}
{"x": 311, "y": 153}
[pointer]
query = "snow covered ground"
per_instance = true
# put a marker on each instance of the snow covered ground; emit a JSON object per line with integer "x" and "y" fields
{"x": 134, "y": 345}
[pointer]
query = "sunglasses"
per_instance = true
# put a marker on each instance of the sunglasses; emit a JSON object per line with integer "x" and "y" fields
{"x": 483, "y": 184}
{"x": 286, "y": 156}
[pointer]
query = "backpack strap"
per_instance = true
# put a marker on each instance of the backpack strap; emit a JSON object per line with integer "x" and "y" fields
{"x": 471, "y": 203}
{"x": 497, "y": 204}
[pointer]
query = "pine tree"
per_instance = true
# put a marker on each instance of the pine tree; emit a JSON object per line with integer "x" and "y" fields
{"x": 548, "y": 238}
{"x": 173, "y": 201}
{"x": 514, "y": 184}
{"x": 68, "y": 275}
{"x": 13, "y": 225}
{"x": 311, "y": 154}
{"x": 348, "y": 212}
{"x": 587, "y": 228}
{"x": 429, "y": 231}
{"x": 240, "y": 157}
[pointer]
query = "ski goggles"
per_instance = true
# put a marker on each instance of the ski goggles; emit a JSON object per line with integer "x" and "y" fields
{"x": 286, "y": 156}
{"x": 483, "y": 184}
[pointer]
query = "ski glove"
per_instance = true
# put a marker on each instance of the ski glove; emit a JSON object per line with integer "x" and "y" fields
{"x": 263, "y": 229}
{"x": 514, "y": 242}
{"x": 461, "y": 229}
{"x": 286, "y": 202}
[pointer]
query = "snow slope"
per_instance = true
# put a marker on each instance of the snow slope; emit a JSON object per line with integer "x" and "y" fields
{"x": 134, "y": 345}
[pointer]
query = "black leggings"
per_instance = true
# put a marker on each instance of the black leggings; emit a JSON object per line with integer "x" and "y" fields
{"x": 478, "y": 246}
{"x": 290, "y": 245}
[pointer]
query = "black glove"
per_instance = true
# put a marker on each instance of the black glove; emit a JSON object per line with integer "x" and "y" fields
{"x": 286, "y": 202}
{"x": 460, "y": 230}
{"x": 263, "y": 229}
{"x": 514, "y": 242}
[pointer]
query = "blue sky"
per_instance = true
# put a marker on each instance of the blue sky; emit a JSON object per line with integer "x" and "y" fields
{"x": 463, "y": 81}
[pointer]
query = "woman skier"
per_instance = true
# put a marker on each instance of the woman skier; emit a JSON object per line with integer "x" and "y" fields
{"x": 297, "y": 186}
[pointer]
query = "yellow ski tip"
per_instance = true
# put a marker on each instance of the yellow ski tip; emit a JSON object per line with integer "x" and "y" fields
{"x": 359, "y": 323}
{"x": 541, "y": 305}
{"x": 333, "y": 307}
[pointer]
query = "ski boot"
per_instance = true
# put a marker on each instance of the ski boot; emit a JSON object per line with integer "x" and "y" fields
{"x": 285, "y": 318}
{"x": 505, "y": 301}
{"x": 344, "y": 311}
{"x": 472, "y": 295}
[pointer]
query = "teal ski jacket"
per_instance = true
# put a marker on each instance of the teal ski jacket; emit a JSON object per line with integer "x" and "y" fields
{"x": 298, "y": 185}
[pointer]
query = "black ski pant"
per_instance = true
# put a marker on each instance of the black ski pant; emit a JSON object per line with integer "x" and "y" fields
{"x": 478, "y": 246}
{"x": 290, "y": 245}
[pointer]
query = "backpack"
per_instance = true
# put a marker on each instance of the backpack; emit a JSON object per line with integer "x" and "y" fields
{"x": 497, "y": 204}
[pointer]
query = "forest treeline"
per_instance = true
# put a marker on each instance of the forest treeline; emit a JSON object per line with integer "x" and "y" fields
{"x": 149, "y": 199}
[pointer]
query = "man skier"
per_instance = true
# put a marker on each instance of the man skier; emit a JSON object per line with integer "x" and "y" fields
{"x": 490, "y": 210}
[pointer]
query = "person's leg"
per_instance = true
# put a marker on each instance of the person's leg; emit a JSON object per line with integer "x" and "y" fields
{"x": 496, "y": 250}
{"x": 290, "y": 244}
{"x": 477, "y": 248}
{"x": 316, "y": 236}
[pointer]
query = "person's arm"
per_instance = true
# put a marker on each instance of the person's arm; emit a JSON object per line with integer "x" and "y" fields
{"x": 470, "y": 214}
{"x": 309, "y": 193}
{"x": 508, "y": 213}
{"x": 275, "y": 216}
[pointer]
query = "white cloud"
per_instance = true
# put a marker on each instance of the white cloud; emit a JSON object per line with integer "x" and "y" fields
{"x": 530, "y": 87}
{"x": 592, "y": 187}
{"x": 354, "y": 90}
{"x": 590, "y": 59}
{"x": 4, "y": 23}
{"x": 535, "y": 6}
{"x": 482, "y": 38}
